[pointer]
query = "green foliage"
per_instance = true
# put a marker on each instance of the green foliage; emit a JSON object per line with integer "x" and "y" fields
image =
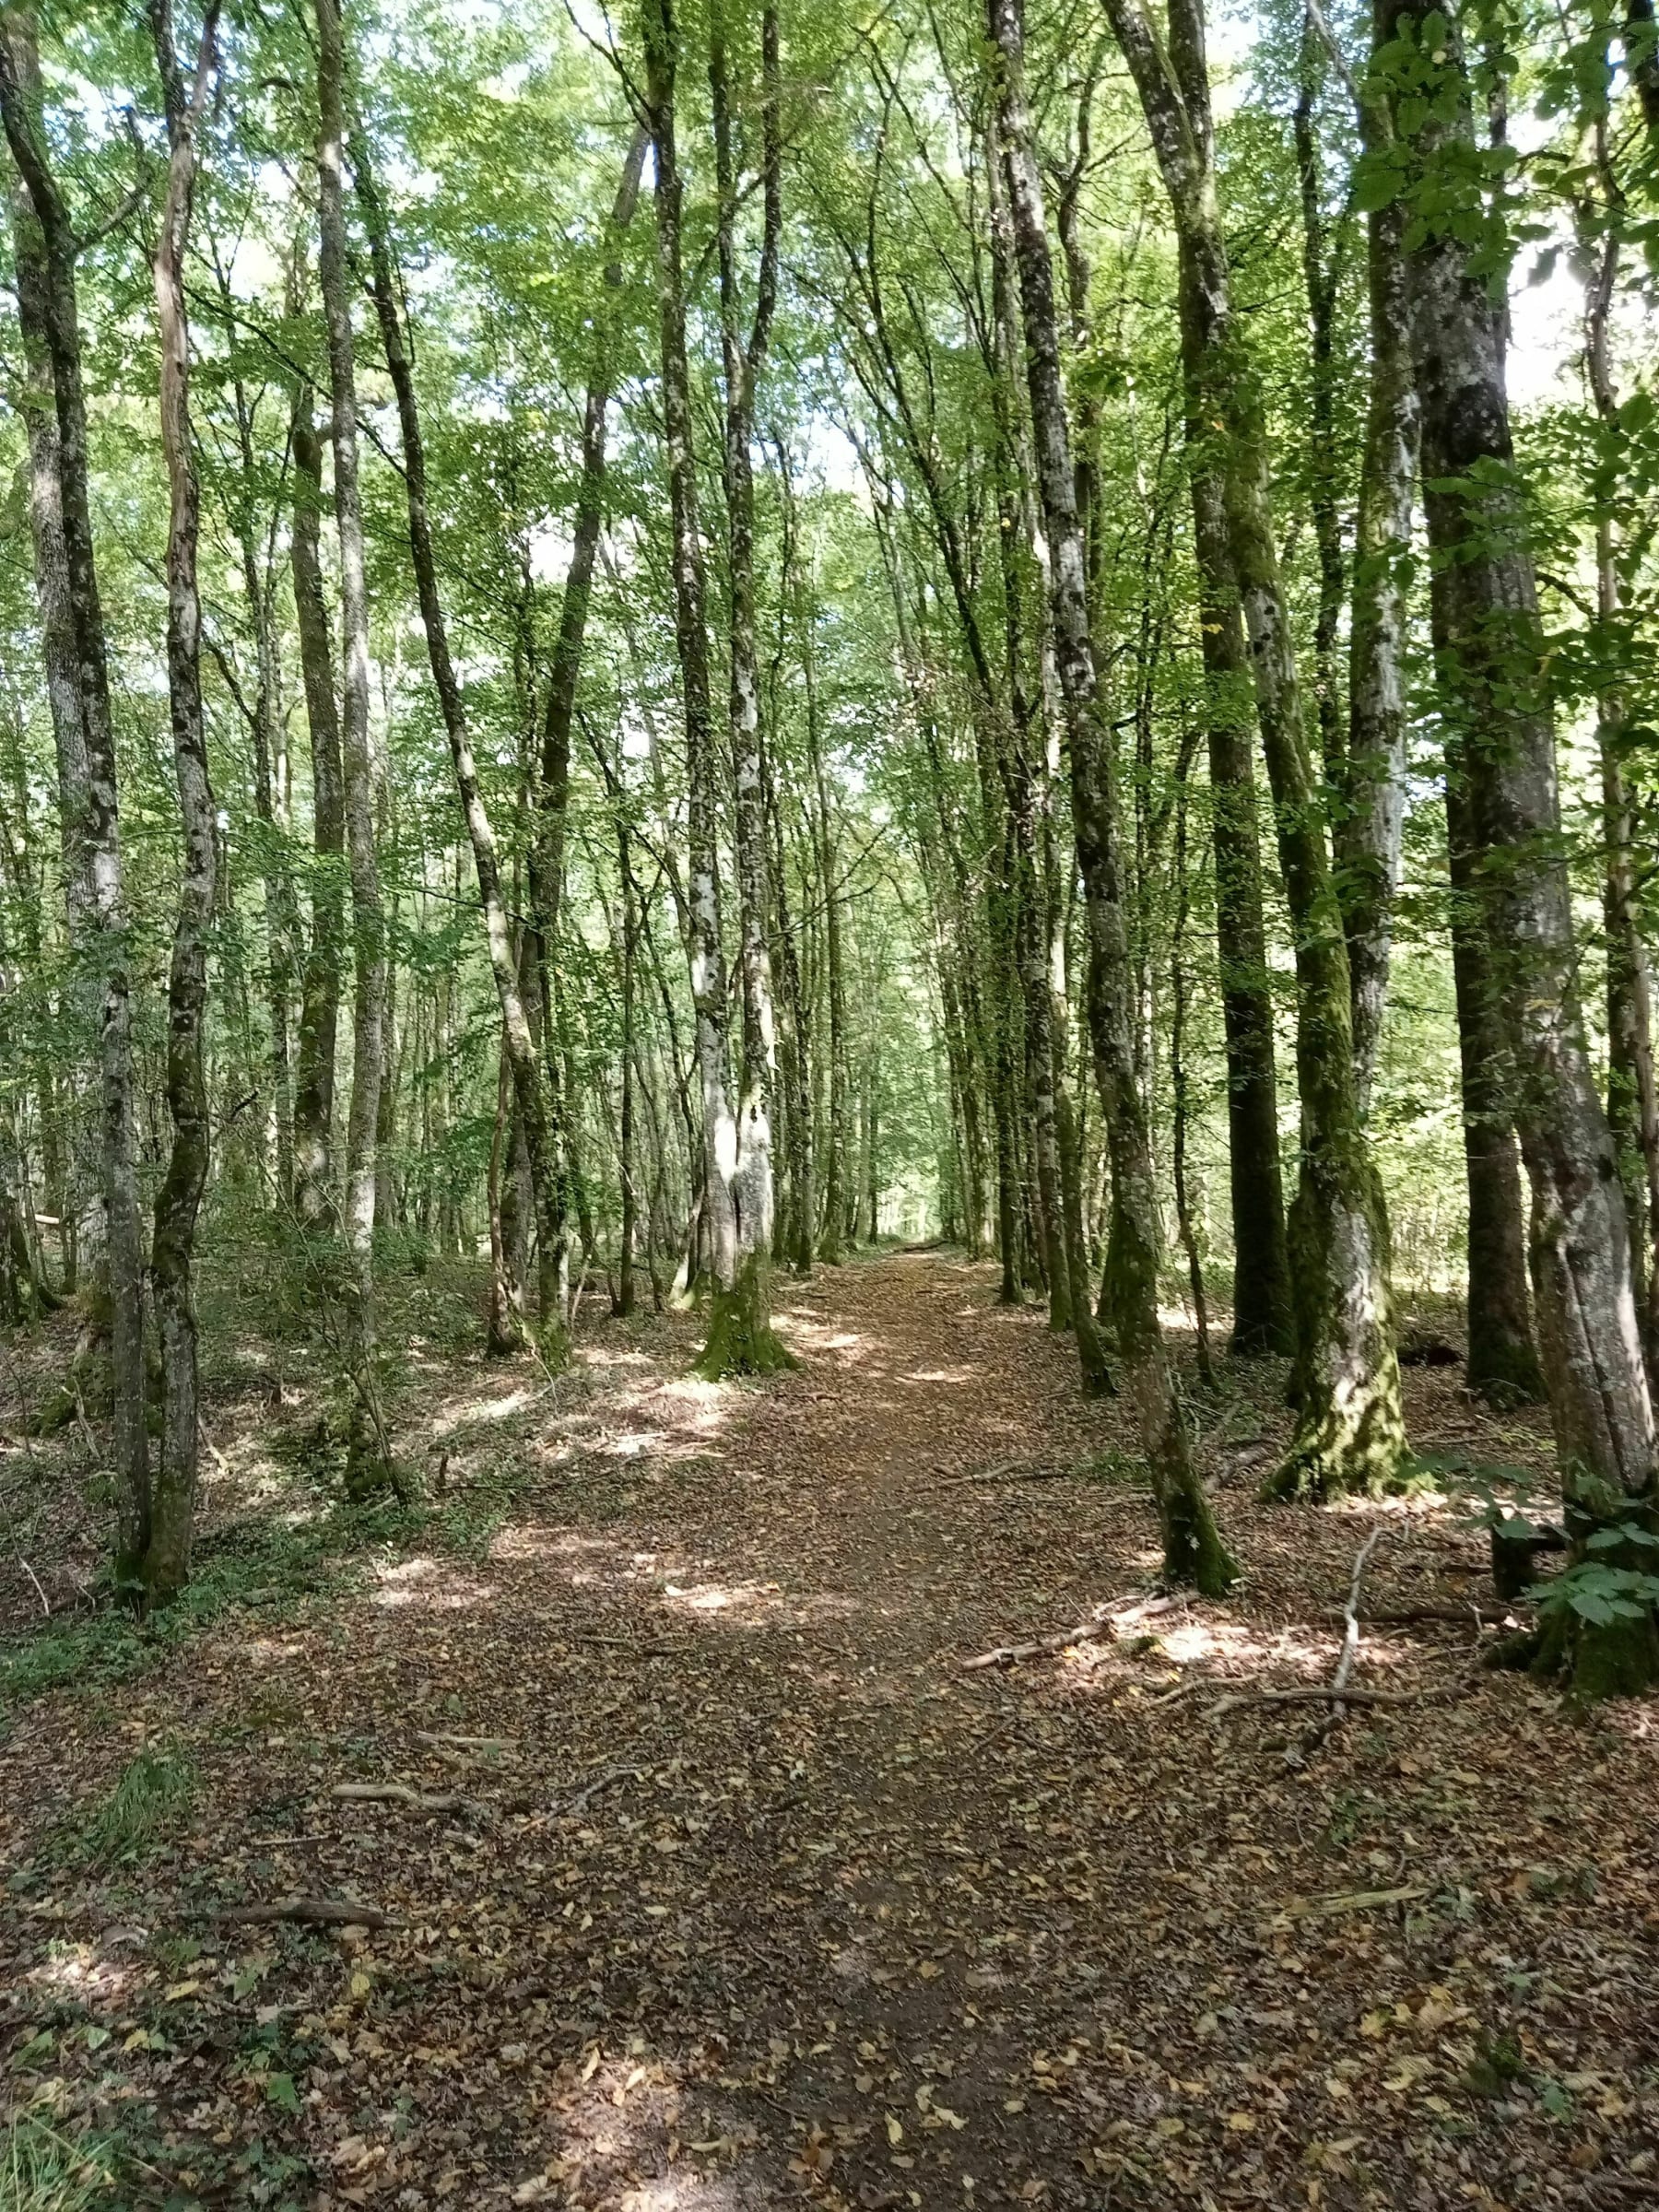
{"x": 1596, "y": 1592}
{"x": 152, "y": 1798}
{"x": 43, "y": 2170}
{"x": 264, "y": 1562}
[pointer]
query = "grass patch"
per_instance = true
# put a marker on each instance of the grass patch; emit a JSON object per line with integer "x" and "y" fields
{"x": 1121, "y": 1470}
{"x": 258, "y": 1562}
{"x": 150, "y": 1800}
{"x": 41, "y": 2170}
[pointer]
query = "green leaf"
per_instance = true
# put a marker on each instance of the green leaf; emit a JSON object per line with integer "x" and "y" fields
{"x": 280, "y": 2091}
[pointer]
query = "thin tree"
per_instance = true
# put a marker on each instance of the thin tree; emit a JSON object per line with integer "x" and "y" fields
{"x": 369, "y": 1462}
{"x": 726, "y": 1347}
{"x": 20, "y": 109}
{"x": 1194, "y": 1551}
{"x": 533, "y": 1095}
{"x": 752, "y": 1343}
{"x": 178, "y": 1200}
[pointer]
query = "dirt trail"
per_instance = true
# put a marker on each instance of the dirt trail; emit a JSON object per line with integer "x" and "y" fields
{"x": 757, "y": 1895}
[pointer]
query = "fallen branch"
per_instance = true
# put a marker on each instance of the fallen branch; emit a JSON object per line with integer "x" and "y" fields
{"x": 1461, "y": 1616}
{"x": 1010, "y": 1654}
{"x": 470, "y": 1743}
{"x": 1181, "y": 1689}
{"x": 1111, "y": 1617}
{"x": 1298, "y": 1755}
{"x": 1327, "y": 1695}
{"x": 600, "y": 1782}
{"x": 1006, "y": 1470}
{"x": 1350, "y": 1634}
{"x": 1353, "y": 1900}
{"x": 314, "y": 1912}
{"x": 399, "y": 1792}
{"x": 635, "y": 1650}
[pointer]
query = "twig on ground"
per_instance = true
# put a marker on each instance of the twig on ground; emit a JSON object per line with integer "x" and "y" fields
{"x": 1404, "y": 1616}
{"x": 468, "y": 1743}
{"x": 1010, "y": 1654}
{"x": 1181, "y": 1689}
{"x": 1297, "y": 1755}
{"x": 949, "y": 1481}
{"x": 1109, "y": 1616}
{"x": 34, "y": 1578}
{"x": 1327, "y": 1695}
{"x": 600, "y": 1782}
{"x": 399, "y": 1792}
{"x": 638, "y": 1651}
{"x": 312, "y": 1912}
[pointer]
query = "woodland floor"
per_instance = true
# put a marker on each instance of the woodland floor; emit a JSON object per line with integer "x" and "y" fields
{"x": 755, "y": 1895}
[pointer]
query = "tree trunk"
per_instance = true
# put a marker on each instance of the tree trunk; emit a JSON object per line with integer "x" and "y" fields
{"x": 1345, "y": 1382}
{"x": 835, "y": 1054}
{"x": 749, "y": 1343}
{"x": 83, "y": 1226}
{"x": 1321, "y": 257}
{"x": 1263, "y": 1319}
{"x": 107, "y": 921}
{"x": 533, "y": 1095}
{"x": 166, "y": 1567}
{"x": 1491, "y": 684}
{"x": 369, "y": 1462}
{"x": 729, "y": 1344}
{"x": 1633, "y": 1094}
{"x": 1504, "y": 1362}
{"x": 553, "y": 781}
{"x": 1370, "y": 777}
{"x": 270, "y": 797}
{"x": 1263, "y": 1316}
{"x": 315, "y": 1203}
{"x": 1185, "y": 1226}
{"x": 1194, "y": 1551}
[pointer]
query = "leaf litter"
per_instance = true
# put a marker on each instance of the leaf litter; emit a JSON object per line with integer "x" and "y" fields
{"x": 656, "y": 1849}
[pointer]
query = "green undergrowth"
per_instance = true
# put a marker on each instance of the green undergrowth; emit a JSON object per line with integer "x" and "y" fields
{"x": 258, "y": 1562}
{"x": 275, "y": 1565}
{"x": 152, "y": 1798}
{"x": 41, "y": 2170}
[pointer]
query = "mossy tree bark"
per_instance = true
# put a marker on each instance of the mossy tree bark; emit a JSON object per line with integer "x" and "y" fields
{"x": 1194, "y": 1551}
{"x": 1344, "y": 1380}
{"x": 1490, "y": 684}
{"x": 106, "y": 921}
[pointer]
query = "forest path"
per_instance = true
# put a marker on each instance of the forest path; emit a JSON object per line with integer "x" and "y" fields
{"x": 753, "y": 1894}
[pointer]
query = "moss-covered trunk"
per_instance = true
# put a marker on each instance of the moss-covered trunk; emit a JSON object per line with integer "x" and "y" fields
{"x": 1490, "y": 683}
{"x": 1345, "y": 1382}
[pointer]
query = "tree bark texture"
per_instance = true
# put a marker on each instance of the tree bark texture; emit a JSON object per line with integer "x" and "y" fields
{"x": 19, "y": 108}
{"x": 1193, "y": 1552}
{"x": 369, "y": 1462}
{"x": 1345, "y": 1381}
{"x": 1489, "y": 682}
